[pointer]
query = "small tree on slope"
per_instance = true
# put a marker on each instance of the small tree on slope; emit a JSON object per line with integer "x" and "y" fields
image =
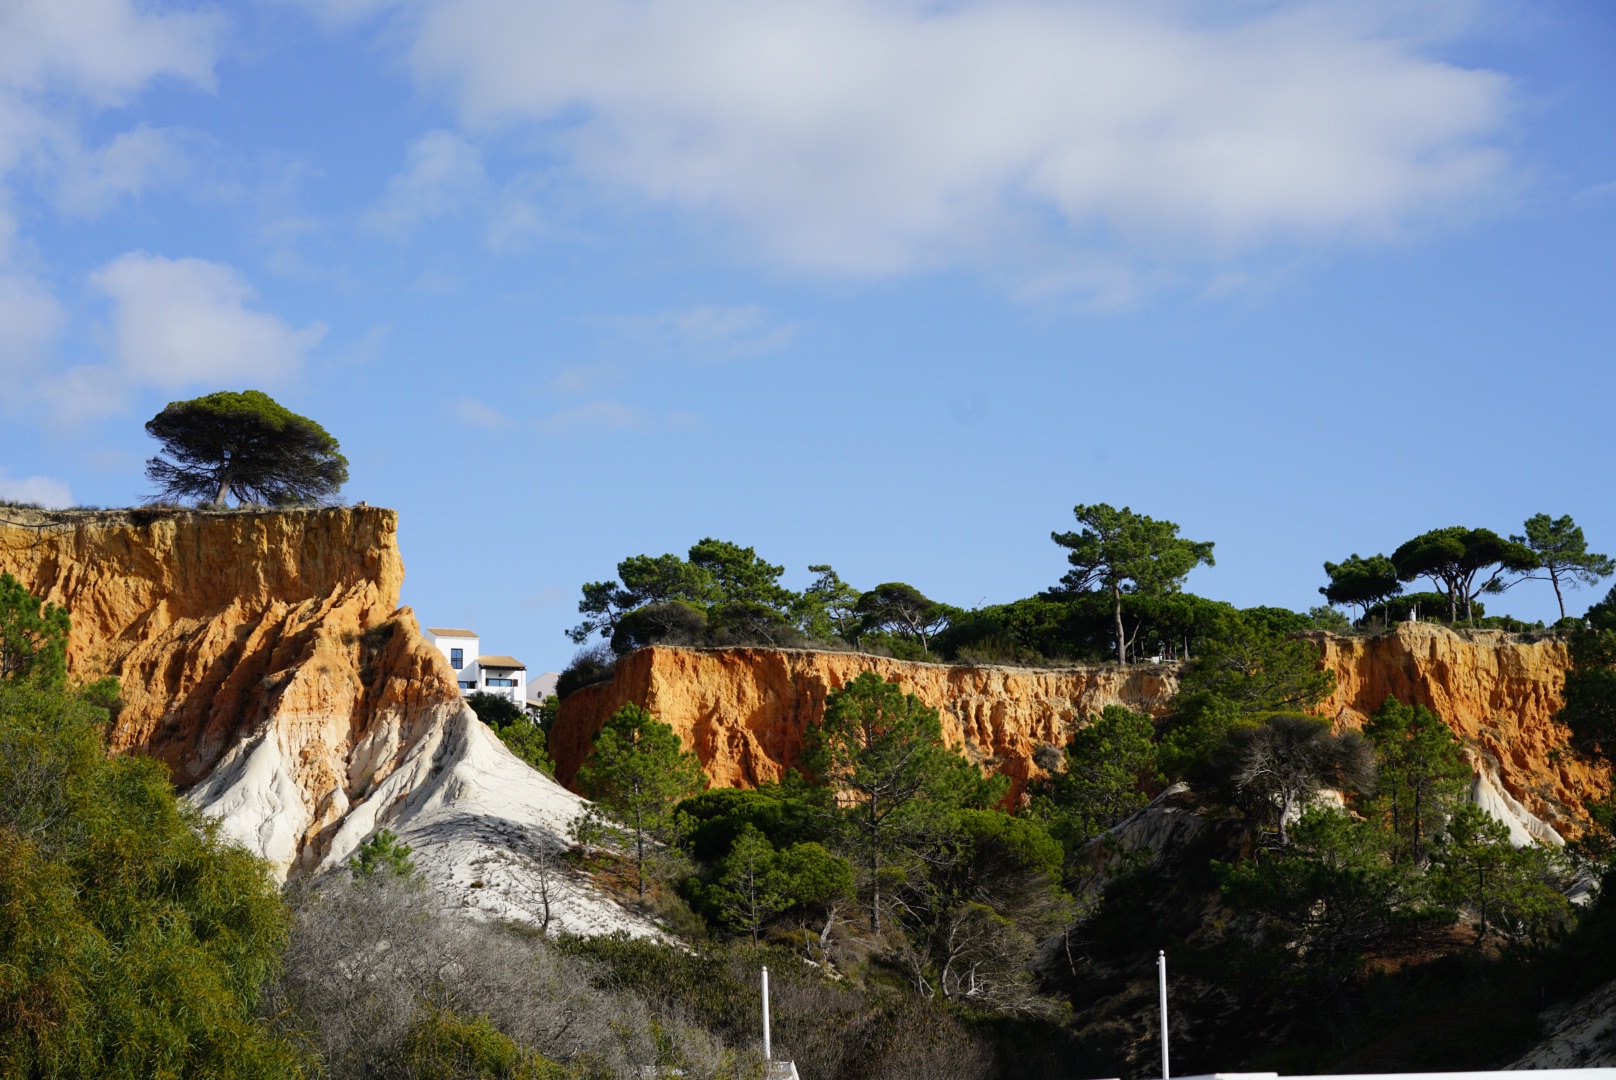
{"x": 638, "y": 772}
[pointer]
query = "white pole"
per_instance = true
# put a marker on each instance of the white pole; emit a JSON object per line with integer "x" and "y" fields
{"x": 767, "y": 1055}
{"x": 1161, "y": 981}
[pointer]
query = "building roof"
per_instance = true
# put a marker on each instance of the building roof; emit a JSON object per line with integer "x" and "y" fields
{"x": 501, "y": 662}
{"x": 449, "y": 631}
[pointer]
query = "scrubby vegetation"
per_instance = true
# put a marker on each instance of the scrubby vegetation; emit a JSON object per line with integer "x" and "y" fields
{"x": 1330, "y": 899}
{"x": 1123, "y": 599}
{"x": 134, "y": 941}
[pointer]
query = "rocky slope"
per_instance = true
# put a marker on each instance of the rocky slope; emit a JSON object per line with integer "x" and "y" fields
{"x": 263, "y": 656}
{"x": 744, "y": 711}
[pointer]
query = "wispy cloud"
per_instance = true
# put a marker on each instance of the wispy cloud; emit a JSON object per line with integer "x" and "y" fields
{"x": 130, "y": 164}
{"x": 708, "y": 331}
{"x": 441, "y": 170}
{"x": 474, "y": 413}
{"x": 595, "y": 417}
{"x": 1070, "y": 142}
{"x": 577, "y": 380}
{"x": 47, "y": 492}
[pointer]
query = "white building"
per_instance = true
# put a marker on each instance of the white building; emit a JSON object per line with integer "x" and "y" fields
{"x": 541, "y": 687}
{"x": 477, "y": 673}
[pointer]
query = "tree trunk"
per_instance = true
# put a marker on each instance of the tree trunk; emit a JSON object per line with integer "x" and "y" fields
{"x": 875, "y": 870}
{"x": 1122, "y": 641}
{"x": 224, "y": 486}
{"x": 639, "y": 862}
{"x": 1554, "y": 579}
{"x": 1284, "y": 813}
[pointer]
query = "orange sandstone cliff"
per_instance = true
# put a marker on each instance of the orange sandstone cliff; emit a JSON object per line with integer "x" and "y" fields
{"x": 1497, "y": 691}
{"x": 262, "y": 653}
{"x": 744, "y": 711}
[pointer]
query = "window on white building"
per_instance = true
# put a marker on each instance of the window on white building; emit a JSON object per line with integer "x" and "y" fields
{"x": 457, "y": 658}
{"x": 501, "y": 682}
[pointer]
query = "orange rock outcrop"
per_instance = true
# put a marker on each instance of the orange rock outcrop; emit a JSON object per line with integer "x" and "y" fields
{"x": 1497, "y": 691}
{"x": 744, "y": 711}
{"x": 276, "y": 629}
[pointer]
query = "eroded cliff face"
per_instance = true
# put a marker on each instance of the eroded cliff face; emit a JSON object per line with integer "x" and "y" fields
{"x": 744, "y": 711}
{"x": 263, "y": 656}
{"x": 1498, "y": 692}
{"x": 269, "y": 647}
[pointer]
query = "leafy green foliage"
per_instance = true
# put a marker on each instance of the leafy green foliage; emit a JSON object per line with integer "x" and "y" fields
{"x": 33, "y": 637}
{"x": 882, "y": 752}
{"x": 1426, "y": 605}
{"x": 1110, "y": 771}
{"x": 445, "y": 1046}
{"x": 246, "y": 445}
{"x": 1244, "y": 671}
{"x": 526, "y": 740}
{"x": 1590, "y": 689}
{"x": 382, "y": 855}
{"x": 1324, "y": 617}
{"x": 1360, "y": 582}
{"x": 1463, "y": 563}
{"x": 991, "y": 892}
{"x": 1118, "y": 551}
{"x": 716, "y": 818}
{"x": 638, "y": 772}
{"x": 134, "y": 940}
{"x": 828, "y": 608}
{"x": 523, "y": 735}
{"x": 1351, "y": 886}
{"x": 1562, "y": 554}
{"x": 1422, "y": 775}
{"x": 715, "y": 574}
{"x": 591, "y": 665}
{"x": 754, "y": 883}
{"x": 1510, "y": 888}
{"x": 903, "y": 610}
{"x": 495, "y": 710}
{"x": 1331, "y": 897}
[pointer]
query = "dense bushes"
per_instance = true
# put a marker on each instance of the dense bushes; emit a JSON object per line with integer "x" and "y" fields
{"x": 134, "y": 940}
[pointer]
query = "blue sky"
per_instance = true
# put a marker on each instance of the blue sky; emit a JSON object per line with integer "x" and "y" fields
{"x": 890, "y": 285}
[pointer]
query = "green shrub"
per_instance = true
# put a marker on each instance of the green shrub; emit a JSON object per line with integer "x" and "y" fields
{"x": 444, "y": 1046}
{"x": 134, "y": 939}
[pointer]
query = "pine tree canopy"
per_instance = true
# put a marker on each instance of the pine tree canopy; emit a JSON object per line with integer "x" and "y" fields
{"x": 247, "y": 445}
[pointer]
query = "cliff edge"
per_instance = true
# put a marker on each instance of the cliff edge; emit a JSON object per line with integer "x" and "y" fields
{"x": 264, "y": 658}
{"x": 744, "y": 711}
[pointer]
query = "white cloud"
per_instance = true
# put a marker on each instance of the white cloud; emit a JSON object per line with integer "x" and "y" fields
{"x": 103, "y": 50}
{"x": 31, "y": 320}
{"x": 871, "y": 137}
{"x": 710, "y": 331}
{"x": 440, "y": 171}
{"x": 58, "y": 58}
{"x": 49, "y": 493}
{"x": 130, "y": 164}
{"x": 181, "y": 321}
{"x": 476, "y": 414}
{"x": 595, "y": 417}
